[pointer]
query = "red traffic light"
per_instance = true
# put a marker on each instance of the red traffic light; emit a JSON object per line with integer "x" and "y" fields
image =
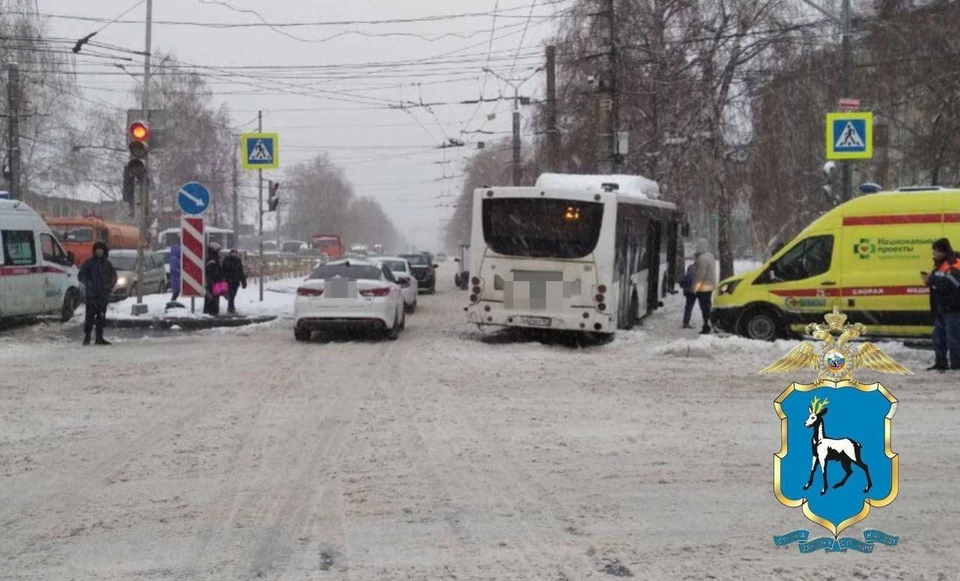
{"x": 140, "y": 131}
{"x": 139, "y": 138}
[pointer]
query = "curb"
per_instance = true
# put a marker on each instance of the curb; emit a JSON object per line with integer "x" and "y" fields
{"x": 186, "y": 323}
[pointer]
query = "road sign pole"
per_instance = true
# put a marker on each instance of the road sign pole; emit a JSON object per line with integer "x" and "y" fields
{"x": 846, "y": 169}
{"x": 263, "y": 262}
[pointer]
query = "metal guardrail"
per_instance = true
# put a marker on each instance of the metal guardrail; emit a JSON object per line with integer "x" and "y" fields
{"x": 277, "y": 267}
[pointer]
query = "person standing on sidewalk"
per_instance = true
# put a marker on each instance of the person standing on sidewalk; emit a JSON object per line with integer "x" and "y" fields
{"x": 98, "y": 278}
{"x": 235, "y": 276}
{"x": 686, "y": 285}
{"x": 944, "y": 285}
{"x": 704, "y": 280}
{"x": 214, "y": 275}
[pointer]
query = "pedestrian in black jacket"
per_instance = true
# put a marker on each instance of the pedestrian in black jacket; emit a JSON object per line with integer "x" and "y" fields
{"x": 235, "y": 276}
{"x": 214, "y": 274}
{"x": 98, "y": 278}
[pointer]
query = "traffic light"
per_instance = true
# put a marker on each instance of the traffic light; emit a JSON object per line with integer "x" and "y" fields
{"x": 138, "y": 138}
{"x": 273, "y": 201}
{"x": 129, "y": 185}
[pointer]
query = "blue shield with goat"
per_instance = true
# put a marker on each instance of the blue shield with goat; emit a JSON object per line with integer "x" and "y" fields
{"x": 835, "y": 458}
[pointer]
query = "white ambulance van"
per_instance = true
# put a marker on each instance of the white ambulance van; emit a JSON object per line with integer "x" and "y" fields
{"x": 37, "y": 277}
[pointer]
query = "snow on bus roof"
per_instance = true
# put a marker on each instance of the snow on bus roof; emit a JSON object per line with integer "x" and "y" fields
{"x": 628, "y": 185}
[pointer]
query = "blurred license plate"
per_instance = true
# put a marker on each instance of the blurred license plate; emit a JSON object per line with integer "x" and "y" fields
{"x": 537, "y": 321}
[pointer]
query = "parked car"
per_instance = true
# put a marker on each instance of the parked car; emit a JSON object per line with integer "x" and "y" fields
{"x": 401, "y": 269}
{"x": 37, "y": 276}
{"x": 423, "y": 270}
{"x": 125, "y": 263}
{"x": 349, "y": 293}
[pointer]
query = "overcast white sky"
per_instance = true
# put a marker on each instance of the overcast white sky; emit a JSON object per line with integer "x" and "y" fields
{"x": 389, "y": 155}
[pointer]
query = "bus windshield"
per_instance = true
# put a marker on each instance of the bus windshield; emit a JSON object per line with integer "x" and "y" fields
{"x": 74, "y": 233}
{"x": 542, "y": 228}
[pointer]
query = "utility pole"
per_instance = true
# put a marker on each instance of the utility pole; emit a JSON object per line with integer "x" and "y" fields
{"x": 553, "y": 133}
{"x": 263, "y": 262}
{"x": 140, "y": 308}
{"x": 236, "y": 191}
{"x": 847, "y": 86}
{"x": 606, "y": 99}
{"x": 516, "y": 120}
{"x": 13, "y": 95}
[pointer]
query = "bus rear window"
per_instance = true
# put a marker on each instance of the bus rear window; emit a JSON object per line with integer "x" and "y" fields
{"x": 542, "y": 228}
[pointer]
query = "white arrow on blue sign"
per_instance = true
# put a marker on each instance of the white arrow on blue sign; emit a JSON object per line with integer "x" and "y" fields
{"x": 193, "y": 198}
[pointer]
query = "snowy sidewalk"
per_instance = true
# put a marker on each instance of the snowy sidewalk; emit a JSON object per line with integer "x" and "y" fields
{"x": 278, "y": 299}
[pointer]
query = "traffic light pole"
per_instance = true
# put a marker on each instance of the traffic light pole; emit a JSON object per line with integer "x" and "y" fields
{"x": 140, "y": 308}
{"x": 263, "y": 262}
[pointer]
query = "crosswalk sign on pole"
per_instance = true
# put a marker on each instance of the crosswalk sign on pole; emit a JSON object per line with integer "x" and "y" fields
{"x": 849, "y": 136}
{"x": 260, "y": 150}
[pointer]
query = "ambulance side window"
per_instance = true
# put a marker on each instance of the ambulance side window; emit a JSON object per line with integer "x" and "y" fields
{"x": 51, "y": 250}
{"x": 811, "y": 257}
{"x": 19, "y": 248}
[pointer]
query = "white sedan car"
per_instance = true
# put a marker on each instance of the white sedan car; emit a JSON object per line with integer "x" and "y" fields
{"x": 401, "y": 269}
{"x": 349, "y": 293}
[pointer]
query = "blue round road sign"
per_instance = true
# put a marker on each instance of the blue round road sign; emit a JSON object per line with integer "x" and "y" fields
{"x": 193, "y": 198}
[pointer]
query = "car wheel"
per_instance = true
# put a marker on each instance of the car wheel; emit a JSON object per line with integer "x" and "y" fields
{"x": 761, "y": 325}
{"x": 393, "y": 333}
{"x": 410, "y": 308}
{"x": 302, "y": 334}
{"x": 403, "y": 321}
{"x": 70, "y": 304}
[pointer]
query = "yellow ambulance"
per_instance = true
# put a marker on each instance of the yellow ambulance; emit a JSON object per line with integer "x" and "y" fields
{"x": 865, "y": 256}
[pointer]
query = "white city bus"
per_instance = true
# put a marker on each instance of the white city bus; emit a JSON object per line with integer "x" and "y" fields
{"x": 574, "y": 253}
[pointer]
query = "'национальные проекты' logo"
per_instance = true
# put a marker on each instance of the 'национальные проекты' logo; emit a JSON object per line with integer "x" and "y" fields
{"x": 835, "y": 422}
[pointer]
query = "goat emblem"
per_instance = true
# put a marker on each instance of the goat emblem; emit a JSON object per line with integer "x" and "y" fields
{"x": 858, "y": 436}
{"x": 844, "y": 450}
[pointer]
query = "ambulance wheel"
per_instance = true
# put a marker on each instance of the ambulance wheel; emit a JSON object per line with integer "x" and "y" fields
{"x": 302, "y": 334}
{"x": 761, "y": 325}
{"x": 70, "y": 303}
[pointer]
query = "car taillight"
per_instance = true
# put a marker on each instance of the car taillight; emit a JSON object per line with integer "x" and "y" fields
{"x": 375, "y": 292}
{"x": 309, "y": 292}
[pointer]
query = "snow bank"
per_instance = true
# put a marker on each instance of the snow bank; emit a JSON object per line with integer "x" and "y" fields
{"x": 630, "y": 185}
{"x": 278, "y": 298}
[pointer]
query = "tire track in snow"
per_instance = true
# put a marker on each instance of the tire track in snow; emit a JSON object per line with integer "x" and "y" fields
{"x": 287, "y": 521}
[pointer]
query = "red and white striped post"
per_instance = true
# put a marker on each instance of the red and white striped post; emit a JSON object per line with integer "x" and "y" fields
{"x": 193, "y": 258}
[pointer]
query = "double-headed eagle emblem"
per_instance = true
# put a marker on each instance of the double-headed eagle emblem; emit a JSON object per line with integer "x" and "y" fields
{"x": 835, "y": 360}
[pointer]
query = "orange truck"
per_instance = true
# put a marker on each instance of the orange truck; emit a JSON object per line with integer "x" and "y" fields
{"x": 78, "y": 234}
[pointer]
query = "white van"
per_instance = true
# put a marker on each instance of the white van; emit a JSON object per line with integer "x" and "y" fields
{"x": 37, "y": 277}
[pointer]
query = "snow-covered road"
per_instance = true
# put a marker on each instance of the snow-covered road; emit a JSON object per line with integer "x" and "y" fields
{"x": 242, "y": 454}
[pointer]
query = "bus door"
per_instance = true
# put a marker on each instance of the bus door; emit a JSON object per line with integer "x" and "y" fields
{"x": 654, "y": 245}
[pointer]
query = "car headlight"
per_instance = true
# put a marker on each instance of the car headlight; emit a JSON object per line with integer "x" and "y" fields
{"x": 122, "y": 281}
{"x": 727, "y": 288}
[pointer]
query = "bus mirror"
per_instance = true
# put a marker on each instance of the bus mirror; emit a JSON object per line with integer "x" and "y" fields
{"x": 685, "y": 230}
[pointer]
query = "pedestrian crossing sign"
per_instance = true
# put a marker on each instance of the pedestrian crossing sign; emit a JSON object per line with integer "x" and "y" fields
{"x": 260, "y": 150}
{"x": 849, "y": 135}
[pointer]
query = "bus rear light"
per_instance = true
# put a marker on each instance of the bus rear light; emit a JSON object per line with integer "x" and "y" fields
{"x": 475, "y": 281}
{"x": 476, "y": 290}
{"x": 602, "y": 289}
{"x": 601, "y": 307}
{"x": 474, "y": 298}
{"x": 599, "y": 298}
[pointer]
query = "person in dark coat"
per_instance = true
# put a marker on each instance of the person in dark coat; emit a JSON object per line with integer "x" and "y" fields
{"x": 98, "y": 278}
{"x": 944, "y": 283}
{"x": 214, "y": 274}
{"x": 235, "y": 276}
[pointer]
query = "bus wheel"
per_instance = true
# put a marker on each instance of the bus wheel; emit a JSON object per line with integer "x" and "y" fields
{"x": 70, "y": 303}
{"x": 761, "y": 325}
